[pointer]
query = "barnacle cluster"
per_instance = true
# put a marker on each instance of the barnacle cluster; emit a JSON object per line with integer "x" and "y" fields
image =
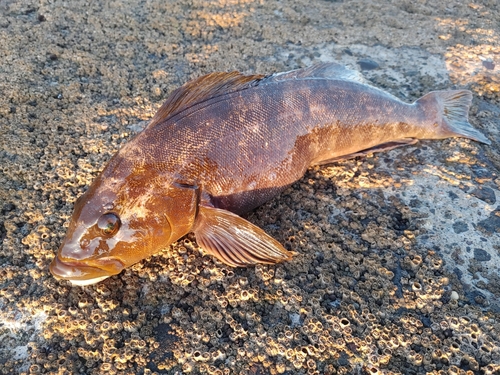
{"x": 351, "y": 300}
{"x": 372, "y": 305}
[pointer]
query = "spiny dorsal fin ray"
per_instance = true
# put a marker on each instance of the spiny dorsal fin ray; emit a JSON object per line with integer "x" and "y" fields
{"x": 203, "y": 88}
{"x": 220, "y": 83}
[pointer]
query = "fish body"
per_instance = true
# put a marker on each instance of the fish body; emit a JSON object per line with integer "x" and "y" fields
{"x": 224, "y": 144}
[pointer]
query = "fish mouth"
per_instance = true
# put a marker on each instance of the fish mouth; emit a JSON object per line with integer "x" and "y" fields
{"x": 85, "y": 273}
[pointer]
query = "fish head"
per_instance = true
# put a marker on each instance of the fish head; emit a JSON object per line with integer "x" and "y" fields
{"x": 120, "y": 221}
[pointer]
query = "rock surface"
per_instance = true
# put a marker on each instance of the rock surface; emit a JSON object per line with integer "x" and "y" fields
{"x": 399, "y": 253}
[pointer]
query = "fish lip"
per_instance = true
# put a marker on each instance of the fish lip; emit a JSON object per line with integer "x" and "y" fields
{"x": 81, "y": 272}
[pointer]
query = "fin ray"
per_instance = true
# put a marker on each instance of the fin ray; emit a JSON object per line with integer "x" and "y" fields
{"x": 387, "y": 146}
{"x": 454, "y": 106}
{"x": 219, "y": 83}
{"x": 234, "y": 240}
{"x": 328, "y": 70}
{"x": 206, "y": 87}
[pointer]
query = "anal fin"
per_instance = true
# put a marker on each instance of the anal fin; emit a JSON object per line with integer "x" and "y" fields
{"x": 234, "y": 240}
{"x": 379, "y": 148}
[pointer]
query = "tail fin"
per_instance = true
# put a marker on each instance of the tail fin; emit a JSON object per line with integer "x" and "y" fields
{"x": 454, "y": 108}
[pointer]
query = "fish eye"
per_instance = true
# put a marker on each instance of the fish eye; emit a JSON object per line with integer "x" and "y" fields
{"x": 109, "y": 223}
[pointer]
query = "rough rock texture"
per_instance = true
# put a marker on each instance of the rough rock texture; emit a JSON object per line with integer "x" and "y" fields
{"x": 399, "y": 253}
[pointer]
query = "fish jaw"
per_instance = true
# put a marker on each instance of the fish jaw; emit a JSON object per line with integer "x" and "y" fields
{"x": 88, "y": 282}
{"x": 85, "y": 273}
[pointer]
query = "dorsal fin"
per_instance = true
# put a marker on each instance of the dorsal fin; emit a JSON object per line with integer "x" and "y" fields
{"x": 216, "y": 84}
{"x": 203, "y": 88}
{"x": 323, "y": 70}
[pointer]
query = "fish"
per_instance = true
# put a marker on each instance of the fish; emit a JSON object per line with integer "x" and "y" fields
{"x": 224, "y": 144}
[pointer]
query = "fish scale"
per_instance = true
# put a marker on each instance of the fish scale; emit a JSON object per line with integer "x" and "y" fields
{"x": 226, "y": 143}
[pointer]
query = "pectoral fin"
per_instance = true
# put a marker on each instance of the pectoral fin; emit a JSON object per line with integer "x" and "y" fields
{"x": 234, "y": 240}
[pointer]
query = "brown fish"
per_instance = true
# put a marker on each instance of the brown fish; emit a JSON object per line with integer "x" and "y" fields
{"x": 224, "y": 144}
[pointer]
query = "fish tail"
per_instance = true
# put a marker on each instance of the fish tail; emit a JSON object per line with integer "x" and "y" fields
{"x": 453, "y": 109}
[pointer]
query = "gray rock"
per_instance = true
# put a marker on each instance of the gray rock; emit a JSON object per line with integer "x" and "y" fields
{"x": 491, "y": 224}
{"x": 481, "y": 255}
{"x": 460, "y": 227}
{"x": 368, "y": 64}
{"x": 485, "y": 194}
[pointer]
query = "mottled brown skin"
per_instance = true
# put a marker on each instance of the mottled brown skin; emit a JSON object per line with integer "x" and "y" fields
{"x": 233, "y": 148}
